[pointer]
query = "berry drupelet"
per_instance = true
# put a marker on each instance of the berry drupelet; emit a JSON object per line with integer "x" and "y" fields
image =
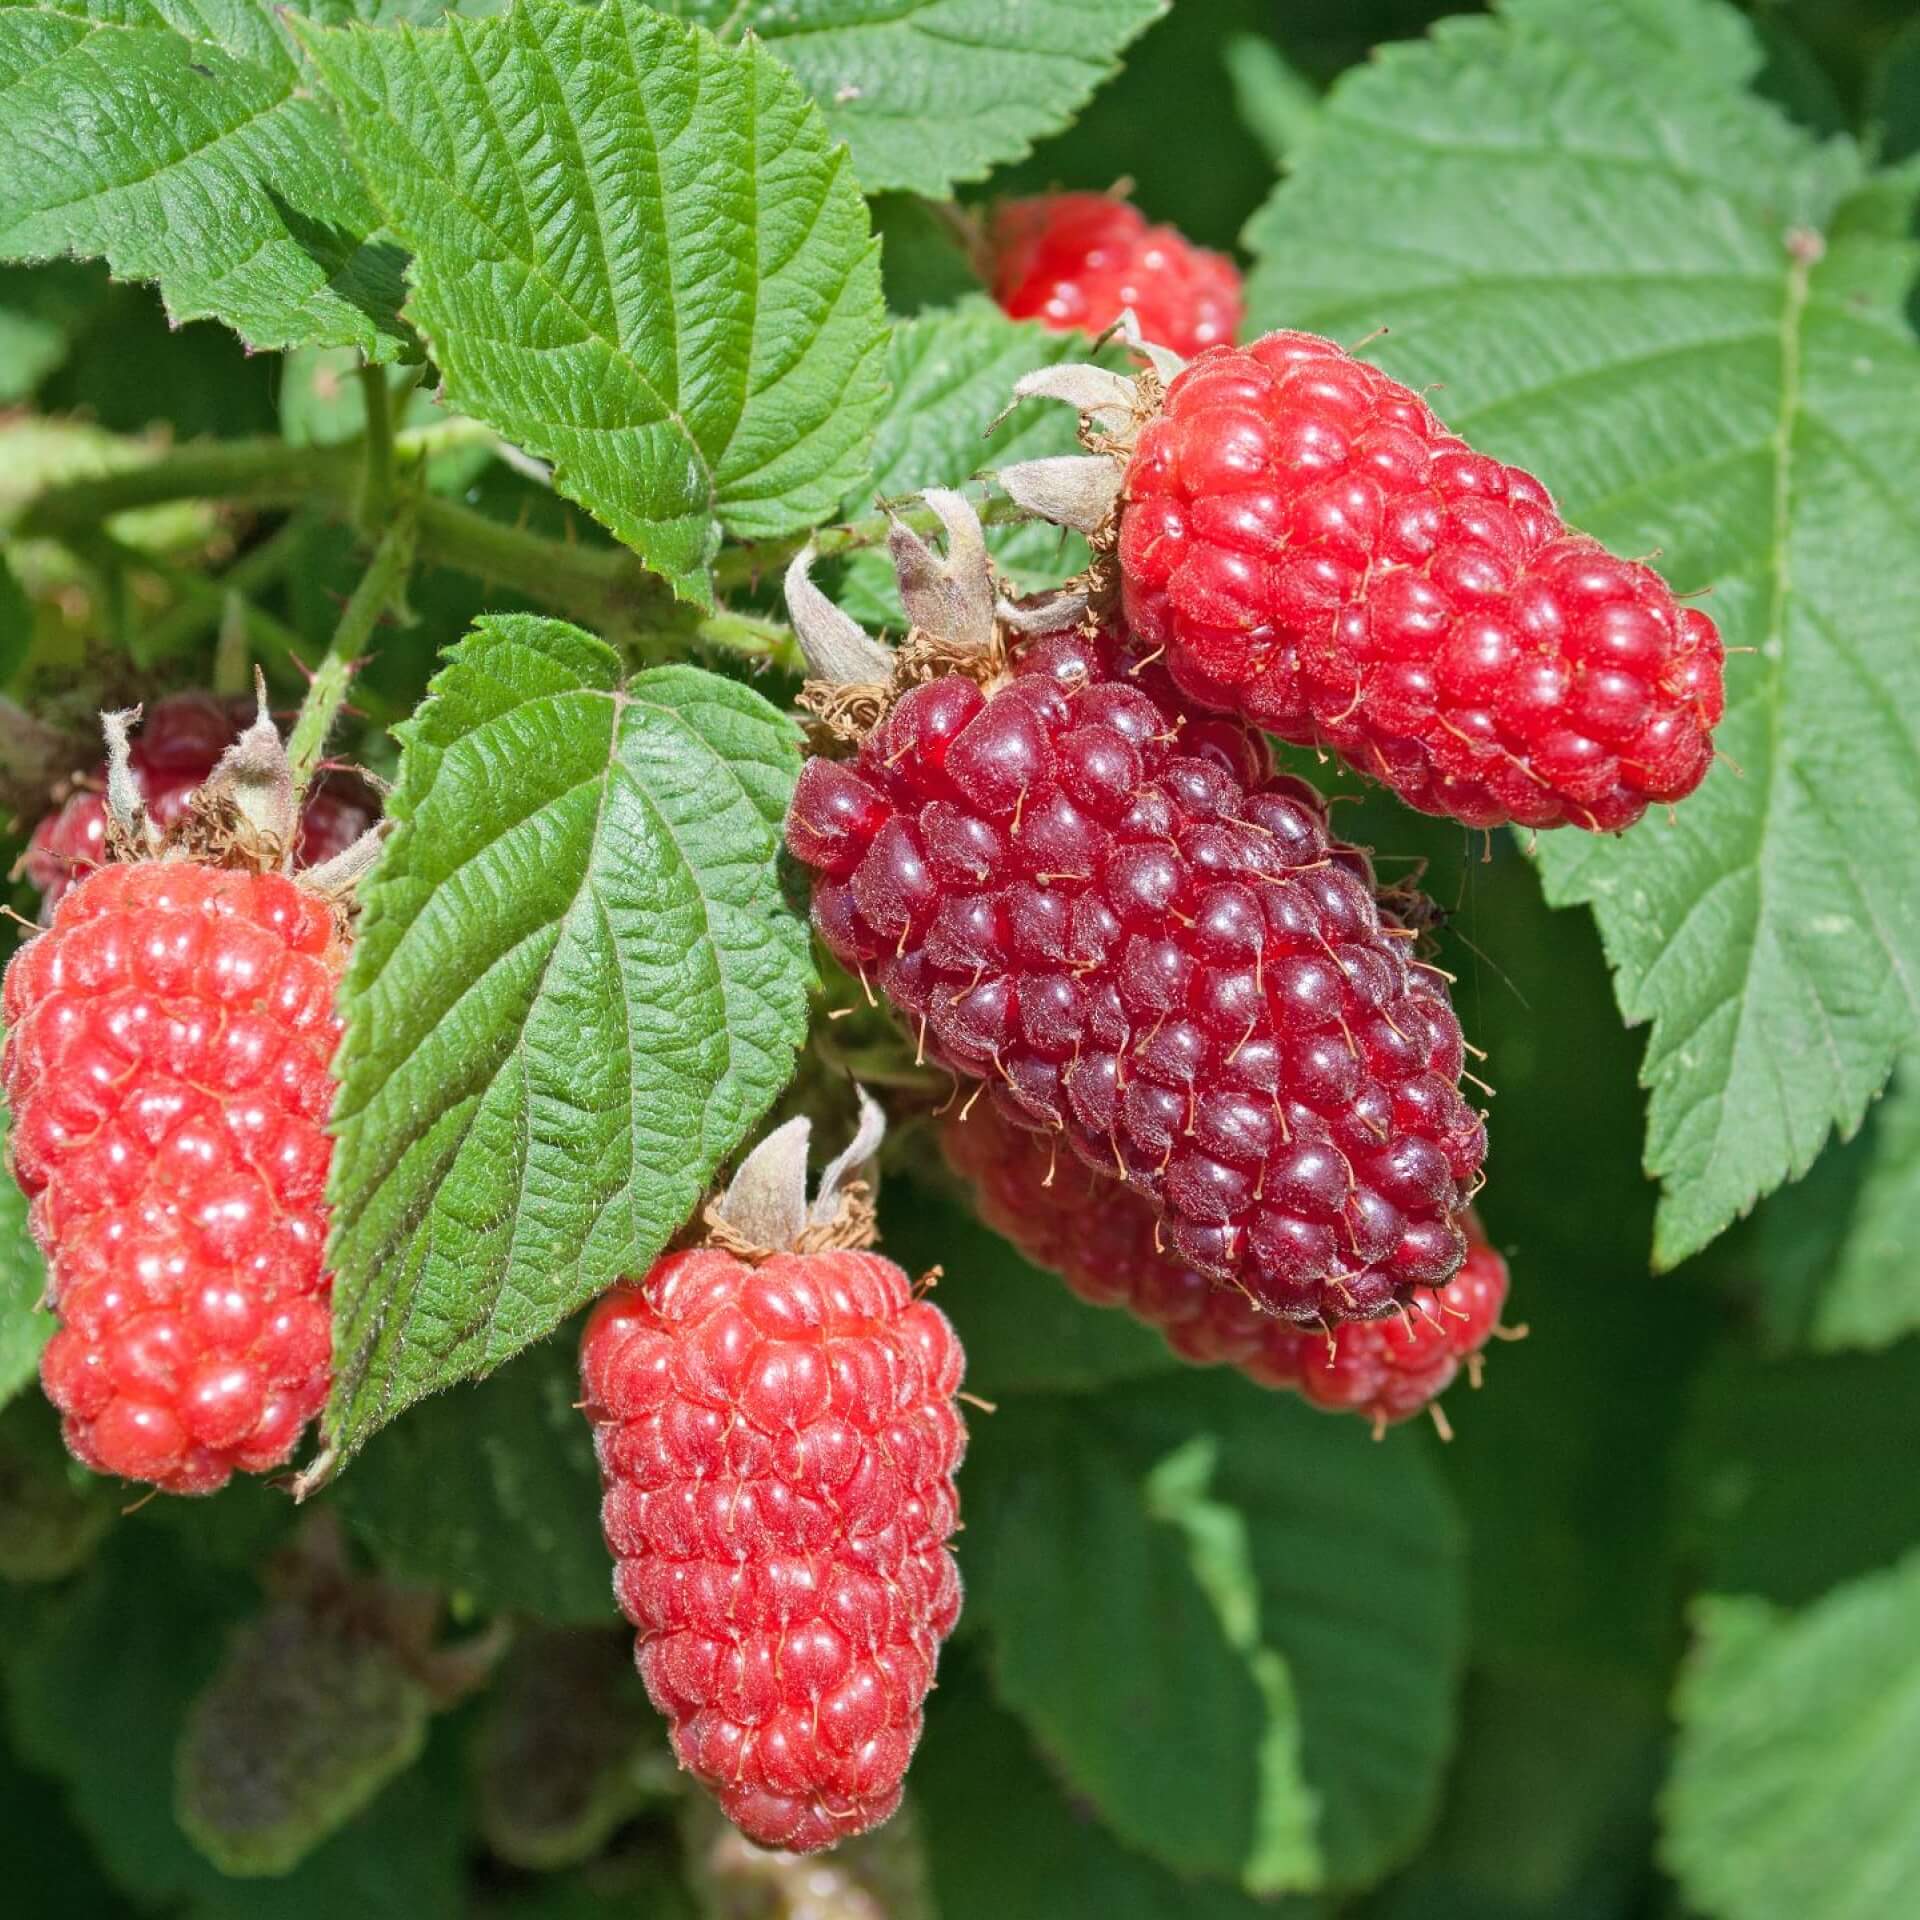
{"x": 1105, "y": 1244}
{"x": 778, "y": 1436}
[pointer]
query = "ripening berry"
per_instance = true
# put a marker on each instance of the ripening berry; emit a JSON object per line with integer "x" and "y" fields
{"x": 777, "y": 1445}
{"x": 1101, "y": 1240}
{"x": 180, "y": 739}
{"x": 1067, "y": 890}
{"x": 167, "y": 1065}
{"x": 1077, "y": 260}
{"x": 1315, "y": 552}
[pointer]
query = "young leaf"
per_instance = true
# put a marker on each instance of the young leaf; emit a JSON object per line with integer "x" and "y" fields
{"x": 569, "y": 1748}
{"x": 1799, "y": 1741}
{"x": 637, "y": 253}
{"x": 575, "y": 988}
{"x": 305, "y": 1721}
{"x": 174, "y": 141}
{"x": 1265, "y": 1583}
{"x": 941, "y": 91}
{"x": 515, "y": 1526}
{"x": 1687, "y": 316}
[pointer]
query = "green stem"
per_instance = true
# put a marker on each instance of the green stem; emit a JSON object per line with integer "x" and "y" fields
{"x": 264, "y": 473}
{"x": 202, "y": 600}
{"x": 605, "y": 588}
{"x": 376, "y": 487}
{"x": 380, "y": 587}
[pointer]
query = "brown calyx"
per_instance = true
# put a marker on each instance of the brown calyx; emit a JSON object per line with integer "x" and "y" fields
{"x": 245, "y": 816}
{"x": 766, "y": 1211}
{"x": 958, "y": 622}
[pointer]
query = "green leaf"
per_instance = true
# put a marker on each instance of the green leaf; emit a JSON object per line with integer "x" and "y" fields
{"x": 1689, "y": 317}
{"x": 306, "y": 1720}
{"x": 951, "y": 373}
{"x": 1003, "y": 1838}
{"x": 1799, "y": 1742}
{"x": 1834, "y": 1253}
{"x": 23, "y": 1273}
{"x": 1279, "y": 1609}
{"x": 1893, "y": 103}
{"x": 638, "y": 254}
{"x": 175, "y": 141}
{"x": 1769, "y": 1489}
{"x": 935, "y": 92}
{"x": 575, "y": 988}
{"x": 1538, "y": 1826}
{"x": 1023, "y": 1331}
{"x": 515, "y": 1523}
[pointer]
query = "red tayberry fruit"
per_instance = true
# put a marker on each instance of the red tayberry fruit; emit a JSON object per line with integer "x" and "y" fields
{"x": 777, "y": 1445}
{"x": 167, "y": 1065}
{"x": 1104, "y": 1242}
{"x": 1077, "y": 260}
{"x": 1315, "y": 552}
{"x": 1068, "y": 891}
{"x": 180, "y": 739}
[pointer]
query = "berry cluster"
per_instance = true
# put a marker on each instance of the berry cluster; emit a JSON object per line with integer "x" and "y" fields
{"x": 1314, "y": 551}
{"x": 167, "y": 1066}
{"x": 1079, "y": 260}
{"x": 778, "y": 1444}
{"x": 179, "y": 742}
{"x": 1069, "y": 891}
{"x": 1105, "y": 1244}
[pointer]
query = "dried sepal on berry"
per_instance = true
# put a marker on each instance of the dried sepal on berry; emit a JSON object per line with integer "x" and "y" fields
{"x": 179, "y": 740}
{"x": 1309, "y": 547}
{"x": 776, "y": 1422}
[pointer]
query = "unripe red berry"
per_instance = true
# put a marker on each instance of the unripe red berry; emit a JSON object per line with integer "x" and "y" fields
{"x": 777, "y": 1445}
{"x": 1069, "y": 894}
{"x": 1077, "y": 260}
{"x": 1315, "y": 552}
{"x": 1103, "y": 1241}
{"x": 167, "y": 1066}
